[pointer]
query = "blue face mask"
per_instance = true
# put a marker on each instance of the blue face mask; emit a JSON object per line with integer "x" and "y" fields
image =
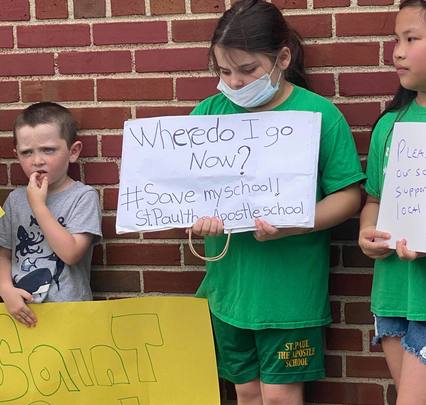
{"x": 254, "y": 94}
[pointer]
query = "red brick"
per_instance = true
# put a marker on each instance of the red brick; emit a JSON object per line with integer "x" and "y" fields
{"x": 344, "y": 339}
{"x": 74, "y": 171}
{"x": 42, "y": 36}
{"x": 6, "y": 37}
{"x": 375, "y": 2}
{"x": 388, "y": 52}
{"x": 116, "y": 281}
{"x": 98, "y": 254}
{"x": 14, "y": 10}
{"x": 101, "y": 118}
{"x": 3, "y": 174}
{"x": 108, "y": 229}
{"x": 111, "y": 145}
{"x": 350, "y": 284}
{"x": 6, "y": 147}
{"x": 334, "y": 256}
{"x": 362, "y": 114}
{"x": 135, "y": 89}
{"x": 3, "y": 195}
{"x": 89, "y": 8}
{"x": 130, "y": 33}
{"x": 362, "y": 141}
{"x": 367, "y": 367}
{"x": 95, "y": 62}
{"x": 29, "y": 64}
{"x": 322, "y": 84}
{"x": 176, "y": 233}
{"x": 139, "y": 254}
{"x": 7, "y": 119}
{"x": 172, "y": 282}
{"x": 9, "y": 92}
{"x": 290, "y": 4}
{"x": 197, "y": 88}
{"x": 353, "y": 257}
{"x": 172, "y": 60}
{"x": 207, "y": 6}
{"x": 161, "y": 7}
{"x": 193, "y": 30}
{"x": 101, "y": 172}
{"x": 365, "y": 24}
{"x": 90, "y": 146}
{"x": 344, "y": 393}
{"x": 358, "y": 313}
{"x": 127, "y": 7}
{"x": 51, "y": 9}
{"x": 312, "y": 26}
{"x": 342, "y": 54}
{"x": 147, "y": 112}
{"x": 331, "y": 3}
{"x": 347, "y": 231}
{"x": 335, "y": 307}
{"x": 368, "y": 84}
{"x": 333, "y": 366}
{"x": 57, "y": 90}
{"x": 110, "y": 198}
{"x": 189, "y": 259}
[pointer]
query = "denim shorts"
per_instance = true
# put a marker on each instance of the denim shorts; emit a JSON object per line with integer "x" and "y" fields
{"x": 412, "y": 333}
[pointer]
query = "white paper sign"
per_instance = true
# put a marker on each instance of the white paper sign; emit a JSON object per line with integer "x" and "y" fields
{"x": 403, "y": 203}
{"x": 236, "y": 167}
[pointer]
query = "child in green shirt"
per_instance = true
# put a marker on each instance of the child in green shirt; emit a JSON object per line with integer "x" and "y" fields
{"x": 269, "y": 294}
{"x": 398, "y": 298}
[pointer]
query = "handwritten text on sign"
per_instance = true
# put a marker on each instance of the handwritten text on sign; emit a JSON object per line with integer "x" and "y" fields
{"x": 403, "y": 202}
{"x": 120, "y": 352}
{"x": 237, "y": 167}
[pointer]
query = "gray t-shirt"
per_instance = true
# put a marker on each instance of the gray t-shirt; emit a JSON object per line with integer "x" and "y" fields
{"x": 35, "y": 267}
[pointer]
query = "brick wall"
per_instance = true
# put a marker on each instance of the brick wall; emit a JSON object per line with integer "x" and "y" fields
{"x": 111, "y": 60}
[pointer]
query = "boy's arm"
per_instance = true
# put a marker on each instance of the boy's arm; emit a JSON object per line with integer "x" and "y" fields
{"x": 14, "y": 298}
{"x": 368, "y": 235}
{"x": 70, "y": 248}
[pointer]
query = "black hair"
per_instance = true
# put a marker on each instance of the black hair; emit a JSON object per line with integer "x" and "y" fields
{"x": 48, "y": 113}
{"x": 258, "y": 26}
{"x": 403, "y": 96}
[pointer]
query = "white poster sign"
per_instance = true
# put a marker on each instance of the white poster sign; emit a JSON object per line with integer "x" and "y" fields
{"x": 403, "y": 202}
{"x": 236, "y": 167}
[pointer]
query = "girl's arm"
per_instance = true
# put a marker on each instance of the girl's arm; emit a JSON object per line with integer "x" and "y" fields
{"x": 330, "y": 211}
{"x": 368, "y": 235}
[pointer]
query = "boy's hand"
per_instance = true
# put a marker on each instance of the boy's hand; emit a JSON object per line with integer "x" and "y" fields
{"x": 208, "y": 226}
{"x": 265, "y": 231}
{"x": 369, "y": 244}
{"x": 37, "y": 190}
{"x": 14, "y": 299}
{"x": 404, "y": 253}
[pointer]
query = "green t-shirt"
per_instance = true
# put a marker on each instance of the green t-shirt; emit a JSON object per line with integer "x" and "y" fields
{"x": 281, "y": 283}
{"x": 398, "y": 286}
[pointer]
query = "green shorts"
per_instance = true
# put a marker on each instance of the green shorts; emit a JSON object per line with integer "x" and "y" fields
{"x": 275, "y": 356}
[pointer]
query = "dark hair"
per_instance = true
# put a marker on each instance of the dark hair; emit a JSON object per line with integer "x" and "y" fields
{"x": 403, "y": 96}
{"x": 258, "y": 26}
{"x": 48, "y": 113}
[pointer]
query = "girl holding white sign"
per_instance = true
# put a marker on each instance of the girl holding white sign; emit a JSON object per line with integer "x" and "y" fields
{"x": 268, "y": 294}
{"x": 398, "y": 296}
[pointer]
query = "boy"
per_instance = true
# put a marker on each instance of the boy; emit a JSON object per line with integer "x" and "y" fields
{"x": 50, "y": 228}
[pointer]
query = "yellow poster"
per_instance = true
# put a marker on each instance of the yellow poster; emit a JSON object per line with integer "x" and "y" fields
{"x": 138, "y": 351}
